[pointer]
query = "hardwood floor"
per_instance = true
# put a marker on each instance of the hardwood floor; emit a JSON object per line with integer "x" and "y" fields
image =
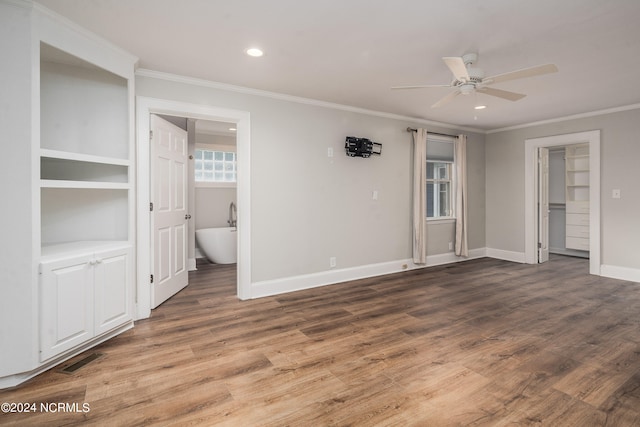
{"x": 484, "y": 342}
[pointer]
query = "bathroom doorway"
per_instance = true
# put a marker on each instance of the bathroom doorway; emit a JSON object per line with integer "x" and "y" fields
{"x": 144, "y": 108}
{"x": 214, "y": 181}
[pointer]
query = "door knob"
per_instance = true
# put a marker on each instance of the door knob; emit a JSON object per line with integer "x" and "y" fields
{"x": 187, "y": 216}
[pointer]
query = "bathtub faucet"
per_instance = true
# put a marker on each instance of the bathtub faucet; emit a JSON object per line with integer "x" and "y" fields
{"x": 233, "y": 215}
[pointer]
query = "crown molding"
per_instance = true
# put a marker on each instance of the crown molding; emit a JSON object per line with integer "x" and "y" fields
{"x": 143, "y": 72}
{"x": 567, "y": 118}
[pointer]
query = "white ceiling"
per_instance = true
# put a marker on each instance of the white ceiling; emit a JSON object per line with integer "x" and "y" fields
{"x": 351, "y": 51}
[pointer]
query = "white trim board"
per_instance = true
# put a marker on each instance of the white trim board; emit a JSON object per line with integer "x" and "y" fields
{"x": 307, "y": 281}
{"x": 530, "y": 196}
{"x": 142, "y": 72}
{"x": 567, "y": 118}
{"x": 621, "y": 273}
{"x": 506, "y": 255}
{"x": 144, "y": 108}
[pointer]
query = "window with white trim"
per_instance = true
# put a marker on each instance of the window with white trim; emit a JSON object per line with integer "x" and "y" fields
{"x": 215, "y": 166}
{"x": 440, "y": 179}
{"x": 439, "y": 203}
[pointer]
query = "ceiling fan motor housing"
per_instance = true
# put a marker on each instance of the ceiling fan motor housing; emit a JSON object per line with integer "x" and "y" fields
{"x": 475, "y": 78}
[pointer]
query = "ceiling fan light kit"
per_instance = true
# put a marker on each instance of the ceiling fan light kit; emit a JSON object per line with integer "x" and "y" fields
{"x": 468, "y": 80}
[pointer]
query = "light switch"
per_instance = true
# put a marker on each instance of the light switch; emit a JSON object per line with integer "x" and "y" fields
{"x": 374, "y": 195}
{"x": 615, "y": 194}
{"x": 330, "y": 152}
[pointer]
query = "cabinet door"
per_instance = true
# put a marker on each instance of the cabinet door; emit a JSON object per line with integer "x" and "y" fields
{"x": 113, "y": 296}
{"x": 66, "y": 298}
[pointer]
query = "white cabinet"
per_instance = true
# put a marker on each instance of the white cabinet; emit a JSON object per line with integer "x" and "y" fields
{"x": 70, "y": 150}
{"x": 577, "y": 196}
{"x": 83, "y": 295}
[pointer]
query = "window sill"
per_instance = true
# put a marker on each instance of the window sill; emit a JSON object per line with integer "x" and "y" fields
{"x": 446, "y": 220}
{"x": 215, "y": 184}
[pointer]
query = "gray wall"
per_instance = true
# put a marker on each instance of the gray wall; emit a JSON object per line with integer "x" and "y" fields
{"x": 307, "y": 207}
{"x": 620, "y": 151}
{"x": 212, "y": 206}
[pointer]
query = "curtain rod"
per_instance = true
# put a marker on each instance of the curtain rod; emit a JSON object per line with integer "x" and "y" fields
{"x": 409, "y": 129}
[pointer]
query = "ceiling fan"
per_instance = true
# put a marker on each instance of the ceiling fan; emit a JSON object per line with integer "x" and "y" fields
{"x": 468, "y": 80}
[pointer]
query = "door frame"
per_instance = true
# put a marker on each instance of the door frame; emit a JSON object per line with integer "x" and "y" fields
{"x": 146, "y": 106}
{"x": 542, "y": 189}
{"x": 531, "y": 196}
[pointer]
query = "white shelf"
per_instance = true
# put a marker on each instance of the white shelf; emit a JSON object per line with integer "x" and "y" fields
{"x": 54, "y": 183}
{"x": 52, "y": 252}
{"x": 79, "y": 157}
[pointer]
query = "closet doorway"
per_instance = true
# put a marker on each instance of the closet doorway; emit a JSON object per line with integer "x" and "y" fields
{"x": 582, "y": 196}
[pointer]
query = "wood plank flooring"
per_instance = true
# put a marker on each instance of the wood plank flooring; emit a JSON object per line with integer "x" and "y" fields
{"x": 482, "y": 343}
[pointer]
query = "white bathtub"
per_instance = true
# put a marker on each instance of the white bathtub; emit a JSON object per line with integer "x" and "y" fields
{"x": 219, "y": 245}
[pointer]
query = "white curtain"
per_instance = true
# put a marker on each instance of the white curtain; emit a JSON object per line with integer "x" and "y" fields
{"x": 420, "y": 196}
{"x": 460, "y": 159}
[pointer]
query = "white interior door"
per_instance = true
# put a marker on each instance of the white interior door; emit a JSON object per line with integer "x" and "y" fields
{"x": 543, "y": 205}
{"x": 169, "y": 214}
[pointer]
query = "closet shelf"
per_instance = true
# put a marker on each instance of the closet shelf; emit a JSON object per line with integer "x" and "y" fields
{"x": 67, "y": 155}
{"x": 54, "y": 183}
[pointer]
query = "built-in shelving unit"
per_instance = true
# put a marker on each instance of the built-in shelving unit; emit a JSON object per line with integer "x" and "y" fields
{"x": 577, "y": 196}
{"x": 86, "y": 204}
{"x": 85, "y": 151}
{"x": 72, "y": 285}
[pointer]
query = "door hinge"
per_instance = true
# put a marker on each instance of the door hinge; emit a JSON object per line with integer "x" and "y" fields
{"x": 151, "y": 207}
{"x": 151, "y": 279}
{"x": 150, "y": 135}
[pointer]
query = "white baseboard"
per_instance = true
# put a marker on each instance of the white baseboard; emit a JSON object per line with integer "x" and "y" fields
{"x": 622, "y": 273}
{"x": 450, "y": 257}
{"x": 506, "y": 255}
{"x": 191, "y": 262}
{"x": 330, "y": 277}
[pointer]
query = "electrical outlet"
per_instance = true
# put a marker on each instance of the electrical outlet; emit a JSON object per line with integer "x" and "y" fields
{"x": 332, "y": 262}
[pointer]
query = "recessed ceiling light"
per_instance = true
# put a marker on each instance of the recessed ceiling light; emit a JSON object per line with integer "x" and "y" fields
{"x": 232, "y": 129}
{"x": 480, "y": 107}
{"x": 254, "y": 52}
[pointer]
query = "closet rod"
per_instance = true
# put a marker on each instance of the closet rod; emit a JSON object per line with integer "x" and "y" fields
{"x": 432, "y": 133}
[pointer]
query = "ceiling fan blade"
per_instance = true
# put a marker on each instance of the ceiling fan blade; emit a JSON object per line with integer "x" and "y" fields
{"x": 446, "y": 99}
{"x": 457, "y": 67}
{"x": 419, "y": 86}
{"x": 519, "y": 74}
{"x": 504, "y": 94}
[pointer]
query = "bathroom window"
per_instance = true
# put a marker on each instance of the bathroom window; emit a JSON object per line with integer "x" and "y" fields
{"x": 215, "y": 166}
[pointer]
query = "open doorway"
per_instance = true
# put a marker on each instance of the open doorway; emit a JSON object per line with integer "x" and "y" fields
{"x": 591, "y": 140}
{"x": 214, "y": 151}
{"x": 144, "y": 108}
